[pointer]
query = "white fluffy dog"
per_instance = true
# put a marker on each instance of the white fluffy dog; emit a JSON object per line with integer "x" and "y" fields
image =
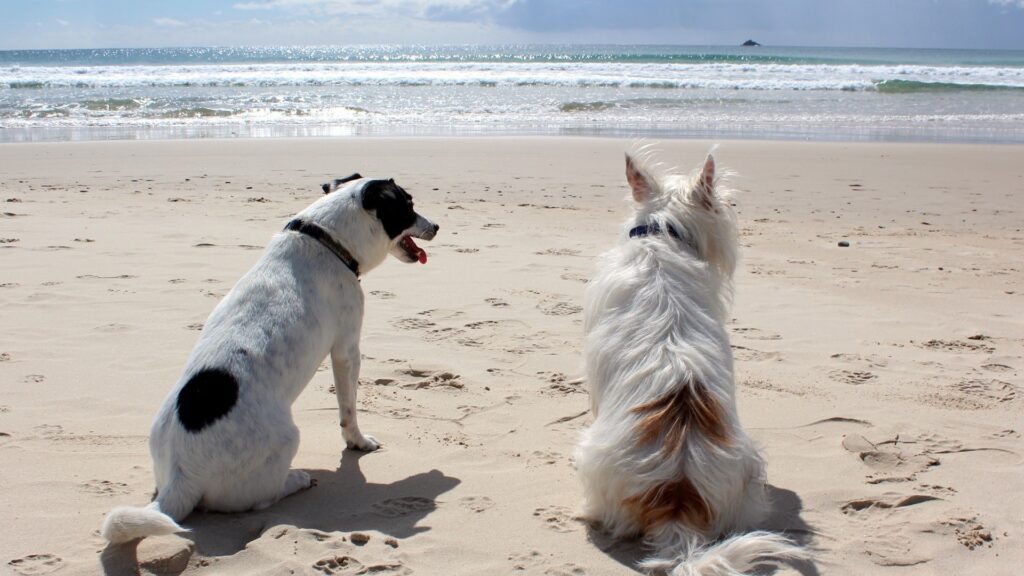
{"x": 666, "y": 458}
{"x": 224, "y": 439}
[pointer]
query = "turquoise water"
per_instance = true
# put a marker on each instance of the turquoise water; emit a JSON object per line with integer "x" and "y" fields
{"x": 642, "y": 91}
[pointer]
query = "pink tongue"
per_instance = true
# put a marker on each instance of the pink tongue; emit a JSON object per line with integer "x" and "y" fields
{"x": 412, "y": 248}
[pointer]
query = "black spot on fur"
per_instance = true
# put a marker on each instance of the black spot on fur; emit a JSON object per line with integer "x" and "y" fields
{"x": 207, "y": 397}
{"x": 391, "y": 203}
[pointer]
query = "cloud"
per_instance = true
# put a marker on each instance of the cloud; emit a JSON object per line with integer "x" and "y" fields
{"x": 168, "y": 22}
{"x": 435, "y": 10}
{"x": 1014, "y": 3}
{"x": 63, "y": 22}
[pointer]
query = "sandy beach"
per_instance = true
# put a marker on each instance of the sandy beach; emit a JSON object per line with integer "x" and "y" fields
{"x": 882, "y": 379}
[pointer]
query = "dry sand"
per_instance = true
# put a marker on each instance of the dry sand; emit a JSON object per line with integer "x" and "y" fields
{"x": 882, "y": 379}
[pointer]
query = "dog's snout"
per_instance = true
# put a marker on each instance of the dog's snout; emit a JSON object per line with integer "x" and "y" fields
{"x": 436, "y": 228}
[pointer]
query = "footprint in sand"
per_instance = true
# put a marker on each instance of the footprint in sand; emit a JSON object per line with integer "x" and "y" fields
{"x": 854, "y": 377}
{"x": 348, "y": 565}
{"x": 958, "y": 346}
{"x": 968, "y": 532}
{"x": 885, "y": 502}
{"x": 412, "y": 323}
{"x": 558, "y": 308}
{"x": 889, "y": 547}
{"x": 434, "y": 380}
{"x": 104, "y": 488}
{"x": 744, "y": 354}
{"x": 396, "y": 507}
{"x": 339, "y": 565}
{"x": 565, "y": 570}
{"x": 939, "y": 491}
{"x": 440, "y": 313}
{"x": 558, "y": 252}
{"x": 382, "y": 294}
{"x": 756, "y": 334}
{"x": 482, "y": 324}
{"x": 996, "y": 367}
{"x": 34, "y": 564}
{"x": 575, "y": 277}
{"x": 534, "y": 560}
{"x": 556, "y": 518}
{"x": 476, "y": 504}
{"x": 496, "y": 302}
{"x": 769, "y": 386}
{"x": 439, "y": 334}
{"x": 990, "y": 393}
{"x": 33, "y": 379}
{"x": 5, "y": 357}
{"x": 543, "y": 458}
{"x": 559, "y": 383}
{"x": 870, "y": 360}
{"x": 887, "y": 462}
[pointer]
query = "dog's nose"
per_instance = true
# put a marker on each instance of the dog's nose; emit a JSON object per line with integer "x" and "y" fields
{"x": 436, "y": 228}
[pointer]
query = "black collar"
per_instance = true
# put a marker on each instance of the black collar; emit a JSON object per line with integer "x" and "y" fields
{"x": 654, "y": 229}
{"x": 324, "y": 237}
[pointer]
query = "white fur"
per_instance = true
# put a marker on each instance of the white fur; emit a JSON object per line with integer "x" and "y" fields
{"x": 298, "y": 304}
{"x": 654, "y": 320}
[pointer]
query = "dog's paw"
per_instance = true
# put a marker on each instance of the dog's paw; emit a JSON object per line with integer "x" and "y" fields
{"x": 298, "y": 480}
{"x": 363, "y": 443}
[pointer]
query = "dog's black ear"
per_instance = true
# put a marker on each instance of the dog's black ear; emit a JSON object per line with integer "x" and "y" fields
{"x": 391, "y": 204}
{"x": 337, "y": 182}
{"x": 376, "y": 193}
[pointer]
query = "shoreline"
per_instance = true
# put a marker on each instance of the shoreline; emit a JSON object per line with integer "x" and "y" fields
{"x": 283, "y": 132}
{"x": 882, "y": 380}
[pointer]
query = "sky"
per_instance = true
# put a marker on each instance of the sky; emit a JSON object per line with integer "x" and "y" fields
{"x": 41, "y": 24}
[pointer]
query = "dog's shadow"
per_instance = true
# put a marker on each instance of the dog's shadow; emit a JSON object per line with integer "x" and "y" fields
{"x": 784, "y": 518}
{"x": 341, "y": 501}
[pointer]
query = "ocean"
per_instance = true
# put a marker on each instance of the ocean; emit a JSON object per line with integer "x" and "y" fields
{"x": 632, "y": 91}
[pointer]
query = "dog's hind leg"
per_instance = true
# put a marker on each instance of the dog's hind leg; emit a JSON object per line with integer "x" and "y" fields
{"x": 260, "y": 473}
{"x": 297, "y": 480}
{"x": 345, "y": 365}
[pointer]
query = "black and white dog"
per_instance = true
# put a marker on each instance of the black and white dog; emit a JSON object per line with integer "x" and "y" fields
{"x": 224, "y": 439}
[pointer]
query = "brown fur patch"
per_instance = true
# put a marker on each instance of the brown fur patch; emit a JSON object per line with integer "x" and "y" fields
{"x": 677, "y": 501}
{"x": 676, "y": 414}
{"x": 689, "y": 408}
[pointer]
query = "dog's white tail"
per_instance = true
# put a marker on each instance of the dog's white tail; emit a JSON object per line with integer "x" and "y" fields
{"x": 126, "y": 523}
{"x": 735, "y": 556}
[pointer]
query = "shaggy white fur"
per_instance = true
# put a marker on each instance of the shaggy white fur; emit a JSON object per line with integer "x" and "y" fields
{"x": 666, "y": 457}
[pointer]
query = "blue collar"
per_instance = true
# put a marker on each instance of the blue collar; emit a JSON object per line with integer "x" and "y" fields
{"x": 653, "y": 229}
